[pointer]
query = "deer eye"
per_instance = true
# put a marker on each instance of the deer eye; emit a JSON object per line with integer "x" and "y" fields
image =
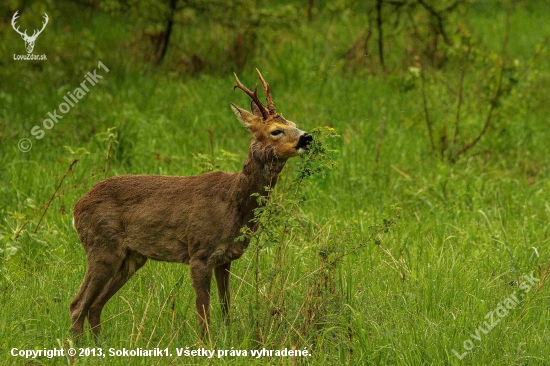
{"x": 276, "y": 132}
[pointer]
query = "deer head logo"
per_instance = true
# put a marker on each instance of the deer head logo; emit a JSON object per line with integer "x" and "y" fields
{"x": 29, "y": 40}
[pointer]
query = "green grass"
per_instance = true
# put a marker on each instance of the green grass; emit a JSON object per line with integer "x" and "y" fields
{"x": 465, "y": 235}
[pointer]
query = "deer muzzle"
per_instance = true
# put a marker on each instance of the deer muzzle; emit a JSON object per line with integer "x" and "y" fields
{"x": 304, "y": 141}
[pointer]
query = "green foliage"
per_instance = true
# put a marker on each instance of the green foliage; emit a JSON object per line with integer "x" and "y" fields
{"x": 209, "y": 163}
{"x": 489, "y": 86}
{"x": 320, "y": 158}
{"x": 240, "y": 24}
{"x": 395, "y": 257}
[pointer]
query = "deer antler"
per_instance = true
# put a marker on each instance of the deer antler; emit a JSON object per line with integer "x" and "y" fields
{"x": 253, "y": 95}
{"x": 24, "y": 34}
{"x": 270, "y": 104}
{"x": 35, "y": 33}
{"x": 13, "y": 19}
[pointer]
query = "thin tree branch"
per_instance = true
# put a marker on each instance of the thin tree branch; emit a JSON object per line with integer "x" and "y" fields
{"x": 493, "y": 103}
{"x": 459, "y": 104}
{"x": 53, "y": 195}
{"x": 166, "y": 38}
{"x": 437, "y": 15}
{"x": 47, "y": 204}
{"x": 453, "y": 6}
{"x": 309, "y": 10}
{"x": 380, "y": 32}
{"x": 425, "y": 104}
{"x": 498, "y": 92}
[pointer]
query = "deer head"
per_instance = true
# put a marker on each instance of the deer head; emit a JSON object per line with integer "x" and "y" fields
{"x": 274, "y": 136}
{"x": 29, "y": 40}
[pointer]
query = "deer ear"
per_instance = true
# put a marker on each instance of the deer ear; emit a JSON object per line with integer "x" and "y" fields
{"x": 248, "y": 119}
{"x": 255, "y": 110}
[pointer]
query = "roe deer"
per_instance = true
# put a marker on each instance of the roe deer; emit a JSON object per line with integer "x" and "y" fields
{"x": 124, "y": 220}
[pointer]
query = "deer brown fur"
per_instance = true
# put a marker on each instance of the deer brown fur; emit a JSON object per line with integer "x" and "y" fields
{"x": 125, "y": 220}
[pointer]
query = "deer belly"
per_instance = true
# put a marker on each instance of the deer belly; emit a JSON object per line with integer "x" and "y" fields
{"x": 163, "y": 248}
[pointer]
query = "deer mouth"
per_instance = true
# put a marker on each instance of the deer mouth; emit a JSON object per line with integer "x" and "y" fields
{"x": 304, "y": 141}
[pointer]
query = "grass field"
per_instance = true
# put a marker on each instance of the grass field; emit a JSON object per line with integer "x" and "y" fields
{"x": 394, "y": 257}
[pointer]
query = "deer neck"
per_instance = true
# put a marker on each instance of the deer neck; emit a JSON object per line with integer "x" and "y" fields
{"x": 261, "y": 174}
{"x": 259, "y": 171}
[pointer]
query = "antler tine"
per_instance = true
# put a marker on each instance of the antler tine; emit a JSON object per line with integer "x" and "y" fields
{"x": 270, "y": 104}
{"x": 46, "y": 22}
{"x": 253, "y": 95}
{"x": 13, "y": 20}
{"x": 14, "y": 17}
{"x": 43, "y": 25}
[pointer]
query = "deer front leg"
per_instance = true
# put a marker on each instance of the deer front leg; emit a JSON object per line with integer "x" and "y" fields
{"x": 201, "y": 276}
{"x": 222, "y": 280}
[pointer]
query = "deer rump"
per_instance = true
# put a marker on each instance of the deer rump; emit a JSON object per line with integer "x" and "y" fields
{"x": 129, "y": 213}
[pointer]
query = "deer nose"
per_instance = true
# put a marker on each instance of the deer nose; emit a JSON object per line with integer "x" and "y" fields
{"x": 304, "y": 141}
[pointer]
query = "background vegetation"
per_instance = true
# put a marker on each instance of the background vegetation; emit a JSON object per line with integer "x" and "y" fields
{"x": 438, "y": 206}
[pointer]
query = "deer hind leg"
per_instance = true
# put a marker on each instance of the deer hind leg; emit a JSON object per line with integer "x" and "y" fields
{"x": 222, "y": 281}
{"x": 77, "y": 315}
{"x": 201, "y": 276}
{"x": 102, "y": 266}
{"x": 130, "y": 265}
